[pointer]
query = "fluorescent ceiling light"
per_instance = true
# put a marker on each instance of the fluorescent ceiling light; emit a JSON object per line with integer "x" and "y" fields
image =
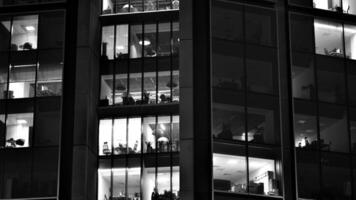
{"x": 22, "y": 66}
{"x": 21, "y": 121}
{"x": 335, "y": 28}
{"x": 120, "y": 47}
{"x": 30, "y": 28}
{"x": 145, "y": 42}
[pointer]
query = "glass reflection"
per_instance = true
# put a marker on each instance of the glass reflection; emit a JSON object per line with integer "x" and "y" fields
{"x": 303, "y": 76}
{"x": 350, "y": 41}
{"x": 120, "y": 136}
{"x": 105, "y": 134}
{"x": 107, "y": 43}
{"x": 149, "y": 137}
{"x": 332, "y": 5}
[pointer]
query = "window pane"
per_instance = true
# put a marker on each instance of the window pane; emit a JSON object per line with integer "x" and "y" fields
{"x": 120, "y": 136}
{"x": 104, "y": 183}
{"x": 49, "y": 73}
{"x": 150, "y": 5}
{"x": 332, "y": 5}
{"x": 262, "y": 175}
{"x": 164, "y": 39}
{"x": 149, "y": 180}
{"x": 302, "y": 31}
{"x": 106, "y": 84}
{"x": 261, "y": 67}
{"x": 119, "y": 183}
{"x": 228, "y": 70}
{"x": 350, "y": 41}
{"x": 328, "y": 38}
{"x": 122, "y": 40}
{"x": 230, "y": 173}
{"x": 134, "y": 135}
{"x": 24, "y": 33}
{"x": 108, "y": 6}
{"x": 134, "y": 179}
{"x": 353, "y": 129}
{"x": 48, "y": 122}
{"x": 51, "y": 30}
{"x": 260, "y": 26}
{"x": 135, "y": 92}
{"x": 263, "y": 119}
{"x": 331, "y": 79}
{"x": 4, "y": 67}
{"x": 121, "y": 85}
{"x": 232, "y": 16}
{"x": 303, "y": 76}
{"x": 336, "y": 175}
{"x": 308, "y": 174}
{"x": 136, "y": 5}
{"x": 349, "y": 6}
{"x": 163, "y": 133}
{"x": 305, "y": 125}
{"x": 165, "y": 4}
{"x": 175, "y": 134}
{"x": 228, "y": 122}
{"x": 2, "y": 129}
{"x": 164, "y": 86}
{"x": 333, "y": 128}
{"x": 105, "y": 137}
{"x": 136, "y": 41}
{"x": 150, "y": 82}
{"x": 149, "y": 135}
{"x": 107, "y": 42}
{"x": 176, "y": 40}
{"x": 150, "y": 41}
{"x": 4, "y": 34}
{"x": 22, "y": 75}
{"x": 164, "y": 182}
{"x": 175, "y": 86}
{"x": 19, "y": 129}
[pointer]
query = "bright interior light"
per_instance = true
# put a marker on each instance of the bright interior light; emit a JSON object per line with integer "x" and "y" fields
{"x": 120, "y": 47}
{"x": 162, "y": 127}
{"x": 232, "y": 162}
{"x": 21, "y": 121}
{"x": 336, "y": 28}
{"x": 30, "y": 28}
{"x": 145, "y": 42}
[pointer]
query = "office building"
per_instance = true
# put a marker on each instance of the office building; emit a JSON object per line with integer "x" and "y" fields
{"x": 178, "y": 99}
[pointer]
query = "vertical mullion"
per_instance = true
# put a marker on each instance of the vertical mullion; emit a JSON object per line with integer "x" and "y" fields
{"x": 156, "y": 153}
{"x": 171, "y": 59}
{"x": 171, "y": 156}
{"x": 112, "y": 157}
{"x": 126, "y": 156}
{"x": 316, "y": 101}
{"x": 156, "y": 59}
{"x": 128, "y": 63}
{"x": 245, "y": 96}
{"x": 115, "y": 65}
{"x": 8, "y": 81}
{"x": 141, "y": 159}
{"x": 142, "y": 60}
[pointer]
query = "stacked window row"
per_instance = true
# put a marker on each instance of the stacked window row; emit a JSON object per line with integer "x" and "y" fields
{"x": 245, "y": 100}
{"x": 126, "y": 6}
{"x": 136, "y": 135}
{"x": 140, "y": 64}
{"x": 139, "y": 179}
{"x": 323, "y": 88}
{"x": 341, "y": 6}
{"x": 31, "y": 55}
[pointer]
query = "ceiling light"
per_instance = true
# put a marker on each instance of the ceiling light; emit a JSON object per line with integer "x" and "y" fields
{"x": 162, "y": 127}
{"x": 30, "y": 28}
{"x": 120, "y": 47}
{"x": 21, "y": 121}
{"x": 302, "y": 121}
{"x": 145, "y": 42}
{"x": 232, "y": 162}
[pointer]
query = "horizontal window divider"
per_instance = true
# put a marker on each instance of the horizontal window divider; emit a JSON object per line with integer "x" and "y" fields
{"x": 139, "y": 110}
{"x": 170, "y": 15}
{"x": 248, "y": 196}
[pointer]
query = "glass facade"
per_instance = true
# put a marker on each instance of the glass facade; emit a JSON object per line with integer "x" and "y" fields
{"x": 31, "y": 63}
{"x": 131, "y": 6}
{"x": 139, "y": 64}
{"x": 245, "y": 101}
{"x": 138, "y": 158}
{"x": 322, "y": 77}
